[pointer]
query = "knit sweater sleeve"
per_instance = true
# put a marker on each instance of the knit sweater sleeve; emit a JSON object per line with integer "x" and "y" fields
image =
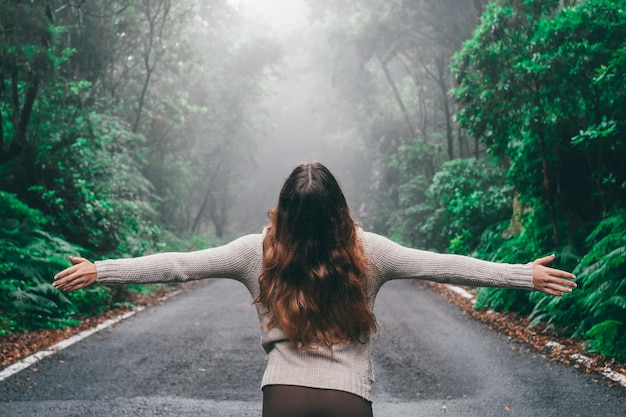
{"x": 234, "y": 260}
{"x": 394, "y": 261}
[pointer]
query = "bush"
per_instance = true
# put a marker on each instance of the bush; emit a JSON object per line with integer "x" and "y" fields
{"x": 465, "y": 197}
{"x": 29, "y": 258}
{"x": 597, "y": 310}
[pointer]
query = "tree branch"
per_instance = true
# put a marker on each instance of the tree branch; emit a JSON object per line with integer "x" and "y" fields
{"x": 398, "y": 97}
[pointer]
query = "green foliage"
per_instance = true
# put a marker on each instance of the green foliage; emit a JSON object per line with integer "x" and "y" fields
{"x": 29, "y": 258}
{"x": 463, "y": 199}
{"x": 541, "y": 87}
{"x": 113, "y": 129}
{"x": 94, "y": 186}
{"x": 597, "y": 310}
{"x": 501, "y": 243}
{"x": 609, "y": 338}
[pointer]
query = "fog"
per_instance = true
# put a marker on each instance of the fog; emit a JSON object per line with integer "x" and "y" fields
{"x": 201, "y": 108}
{"x": 301, "y": 115}
{"x": 355, "y": 84}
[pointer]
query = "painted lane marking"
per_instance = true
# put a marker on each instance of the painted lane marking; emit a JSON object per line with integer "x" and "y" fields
{"x": 586, "y": 361}
{"x": 36, "y": 357}
{"x": 606, "y": 371}
{"x": 460, "y": 291}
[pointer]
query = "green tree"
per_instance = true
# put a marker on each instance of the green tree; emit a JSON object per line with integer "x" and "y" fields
{"x": 542, "y": 85}
{"x": 29, "y": 56}
{"x": 464, "y": 198}
{"x": 391, "y": 64}
{"x": 531, "y": 81}
{"x": 109, "y": 119}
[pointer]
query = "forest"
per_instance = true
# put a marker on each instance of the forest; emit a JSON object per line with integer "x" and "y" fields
{"x": 490, "y": 129}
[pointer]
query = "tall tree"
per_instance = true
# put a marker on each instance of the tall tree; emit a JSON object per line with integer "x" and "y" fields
{"x": 530, "y": 83}
{"x": 27, "y": 59}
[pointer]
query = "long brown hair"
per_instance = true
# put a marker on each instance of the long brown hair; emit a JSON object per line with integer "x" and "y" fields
{"x": 313, "y": 278}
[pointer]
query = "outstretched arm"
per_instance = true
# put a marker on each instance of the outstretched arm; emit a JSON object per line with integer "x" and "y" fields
{"x": 394, "y": 261}
{"x": 234, "y": 260}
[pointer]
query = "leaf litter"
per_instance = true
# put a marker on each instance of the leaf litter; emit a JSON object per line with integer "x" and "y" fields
{"x": 539, "y": 339}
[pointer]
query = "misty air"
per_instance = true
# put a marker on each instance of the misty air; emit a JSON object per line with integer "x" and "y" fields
{"x": 313, "y": 208}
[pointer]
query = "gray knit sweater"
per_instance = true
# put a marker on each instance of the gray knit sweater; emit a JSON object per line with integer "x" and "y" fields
{"x": 349, "y": 367}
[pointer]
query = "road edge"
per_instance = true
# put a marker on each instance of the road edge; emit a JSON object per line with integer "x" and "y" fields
{"x": 589, "y": 363}
{"x": 30, "y": 360}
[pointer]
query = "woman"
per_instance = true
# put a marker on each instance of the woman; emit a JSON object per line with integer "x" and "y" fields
{"x": 314, "y": 275}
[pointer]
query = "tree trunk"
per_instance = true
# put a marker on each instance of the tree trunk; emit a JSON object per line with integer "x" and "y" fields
{"x": 448, "y": 116}
{"x": 476, "y": 148}
{"x": 548, "y": 188}
{"x": 398, "y": 97}
{"x": 155, "y": 33}
{"x": 21, "y": 119}
{"x": 208, "y": 194}
{"x": 462, "y": 141}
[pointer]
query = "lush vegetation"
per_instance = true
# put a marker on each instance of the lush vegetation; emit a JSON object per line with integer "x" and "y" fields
{"x": 493, "y": 129}
{"x": 562, "y": 136}
{"x": 524, "y": 158}
{"x": 122, "y": 127}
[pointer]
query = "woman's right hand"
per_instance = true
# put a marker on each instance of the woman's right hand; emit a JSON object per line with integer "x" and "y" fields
{"x": 80, "y": 275}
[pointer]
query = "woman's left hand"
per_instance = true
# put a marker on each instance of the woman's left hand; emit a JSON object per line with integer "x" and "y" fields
{"x": 549, "y": 280}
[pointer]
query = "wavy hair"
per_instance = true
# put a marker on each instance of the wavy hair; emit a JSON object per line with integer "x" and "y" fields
{"x": 313, "y": 277}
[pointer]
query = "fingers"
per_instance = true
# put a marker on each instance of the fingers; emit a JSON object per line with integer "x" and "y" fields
{"x": 78, "y": 263}
{"x": 552, "y": 291}
{"x": 553, "y": 286}
{"x": 545, "y": 260}
{"x": 559, "y": 287}
{"x": 560, "y": 273}
{"x": 72, "y": 285}
{"x": 80, "y": 275}
{"x": 551, "y": 280}
{"x": 552, "y": 271}
{"x": 567, "y": 282}
{"x": 555, "y": 289}
{"x": 65, "y": 282}
{"x": 76, "y": 260}
{"x": 67, "y": 271}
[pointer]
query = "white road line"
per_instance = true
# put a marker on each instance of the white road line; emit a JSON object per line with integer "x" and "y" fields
{"x": 585, "y": 360}
{"x": 588, "y": 362}
{"x": 463, "y": 293}
{"x": 36, "y": 357}
{"x": 614, "y": 376}
{"x": 606, "y": 371}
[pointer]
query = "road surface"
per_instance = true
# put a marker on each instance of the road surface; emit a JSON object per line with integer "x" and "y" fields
{"x": 199, "y": 354}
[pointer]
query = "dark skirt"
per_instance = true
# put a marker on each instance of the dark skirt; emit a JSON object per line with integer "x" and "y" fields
{"x": 297, "y": 401}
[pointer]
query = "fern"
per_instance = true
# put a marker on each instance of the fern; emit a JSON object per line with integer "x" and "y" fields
{"x": 608, "y": 337}
{"x": 29, "y": 257}
{"x": 597, "y": 310}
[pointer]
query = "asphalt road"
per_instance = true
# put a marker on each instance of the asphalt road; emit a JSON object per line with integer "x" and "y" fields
{"x": 198, "y": 354}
